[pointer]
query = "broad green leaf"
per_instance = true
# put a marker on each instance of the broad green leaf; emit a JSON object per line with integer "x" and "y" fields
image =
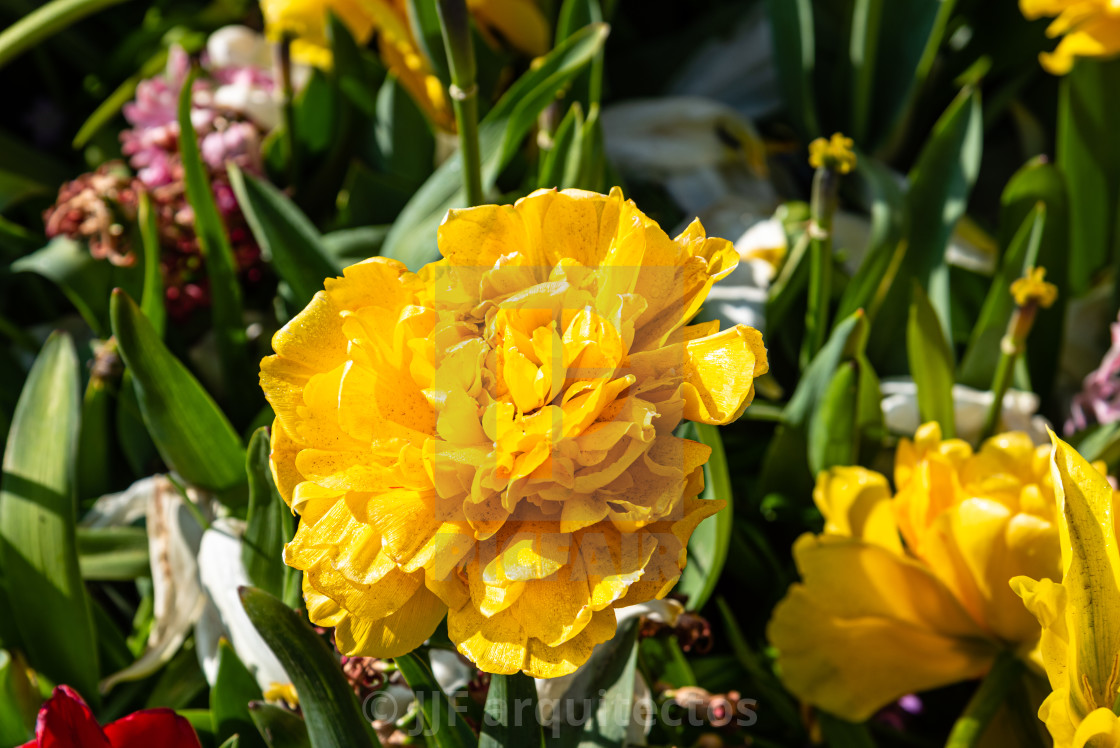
{"x": 86, "y": 282}
{"x": 152, "y": 299}
{"x": 38, "y": 549}
{"x": 791, "y": 26}
{"x": 983, "y": 353}
{"x": 43, "y": 23}
{"x": 663, "y": 655}
{"x": 885, "y": 49}
{"x": 614, "y": 677}
{"x": 412, "y": 239}
{"x": 1089, "y": 156}
{"x": 180, "y": 682}
{"x": 234, "y": 687}
{"x": 510, "y": 716}
{"x": 405, "y": 143}
{"x": 18, "y": 702}
{"x": 786, "y": 468}
{"x": 290, "y": 241}
{"x": 554, "y": 159}
{"x": 833, "y": 434}
{"x": 334, "y": 719}
{"x": 872, "y": 280}
{"x": 707, "y": 548}
{"x": 269, "y": 526}
{"x": 191, "y": 433}
{"x": 279, "y": 727}
{"x": 940, "y": 185}
{"x": 347, "y": 246}
{"x": 221, "y": 266}
{"x": 113, "y": 553}
{"x": 448, "y": 727}
{"x": 203, "y": 723}
{"x": 931, "y": 363}
{"x": 95, "y": 442}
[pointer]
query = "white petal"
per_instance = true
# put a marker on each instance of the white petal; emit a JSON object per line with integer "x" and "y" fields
{"x": 174, "y": 536}
{"x": 232, "y": 46}
{"x": 124, "y": 508}
{"x": 222, "y": 573}
{"x": 452, "y": 672}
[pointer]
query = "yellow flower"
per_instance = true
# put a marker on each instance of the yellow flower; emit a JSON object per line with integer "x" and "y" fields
{"x": 1080, "y": 616}
{"x": 909, "y": 593}
{"x": 833, "y": 153}
{"x": 520, "y": 23}
{"x": 1089, "y": 28}
{"x": 492, "y": 437}
{"x": 1033, "y": 288}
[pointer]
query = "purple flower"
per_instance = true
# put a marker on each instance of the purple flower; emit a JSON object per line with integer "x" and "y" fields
{"x": 1099, "y": 399}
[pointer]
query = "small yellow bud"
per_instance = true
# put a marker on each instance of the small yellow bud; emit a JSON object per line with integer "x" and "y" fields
{"x": 1033, "y": 288}
{"x": 833, "y": 153}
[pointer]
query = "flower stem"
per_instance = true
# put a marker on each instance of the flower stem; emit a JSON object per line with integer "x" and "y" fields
{"x": 455, "y": 24}
{"x": 821, "y": 208}
{"x": 1010, "y": 348}
{"x": 287, "y": 105}
{"x": 991, "y": 694}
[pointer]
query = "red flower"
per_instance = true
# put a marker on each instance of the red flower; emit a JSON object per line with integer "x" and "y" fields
{"x": 66, "y": 722}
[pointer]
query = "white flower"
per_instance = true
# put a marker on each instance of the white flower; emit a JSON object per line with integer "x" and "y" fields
{"x": 970, "y": 409}
{"x": 222, "y": 572}
{"x": 195, "y": 576}
{"x": 740, "y": 299}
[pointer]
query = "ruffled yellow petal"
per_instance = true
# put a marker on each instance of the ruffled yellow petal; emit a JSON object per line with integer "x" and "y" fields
{"x": 857, "y": 502}
{"x": 395, "y": 634}
{"x": 719, "y": 373}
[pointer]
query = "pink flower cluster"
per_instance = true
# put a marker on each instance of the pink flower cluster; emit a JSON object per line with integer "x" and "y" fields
{"x": 232, "y": 108}
{"x": 1099, "y": 399}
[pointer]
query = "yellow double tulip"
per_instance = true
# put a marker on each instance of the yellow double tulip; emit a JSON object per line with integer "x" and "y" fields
{"x": 910, "y": 592}
{"x": 1089, "y": 28}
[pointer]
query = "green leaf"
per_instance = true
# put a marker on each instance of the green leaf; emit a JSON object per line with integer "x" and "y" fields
{"x": 412, "y": 239}
{"x": 941, "y": 183}
{"x": 270, "y": 524}
{"x": 510, "y": 715}
{"x": 614, "y": 677}
{"x": 447, "y": 726}
{"x": 1089, "y": 156}
{"x": 663, "y": 655}
{"x": 555, "y": 158}
{"x": 707, "y": 548}
{"x": 113, "y": 553}
{"x": 931, "y": 363}
{"x": 423, "y": 19}
{"x": 234, "y": 687}
{"x": 233, "y": 742}
{"x": 348, "y": 246}
{"x": 221, "y": 265}
{"x": 840, "y": 733}
{"x": 152, "y": 299}
{"x": 108, "y": 109}
{"x": 872, "y": 280}
{"x": 38, "y": 548}
{"x": 290, "y": 241}
{"x": 791, "y": 26}
{"x": 189, "y": 430}
{"x": 334, "y": 719}
{"x": 18, "y": 702}
{"x": 786, "y": 468}
{"x": 202, "y": 722}
{"x": 983, "y": 352}
{"x": 43, "y": 23}
{"x": 833, "y": 435}
{"x": 279, "y": 727}
{"x": 885, "y": 51}
{"x": 404, "y": 141}
{"x": 86, "y": 282}
{"x": 95, "y": 441}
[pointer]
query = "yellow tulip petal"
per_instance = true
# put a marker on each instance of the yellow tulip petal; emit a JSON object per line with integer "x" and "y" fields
{"x": 394, "y": 635}
{"x": 543, "y": 661}
{"x": 857, "y": 502}
{"x": 856, "y": 664}
{"x": 495, "y": 644}
{"x": 719, "y": 374}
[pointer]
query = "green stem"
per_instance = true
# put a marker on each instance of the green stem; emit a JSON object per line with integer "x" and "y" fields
{"x": 1005, "y": 370}
{"x": 991, "y": 694}
{"x": 821, "y": 208}
{"x": 455, "y": 24}
{"x": 287, "y": 106}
